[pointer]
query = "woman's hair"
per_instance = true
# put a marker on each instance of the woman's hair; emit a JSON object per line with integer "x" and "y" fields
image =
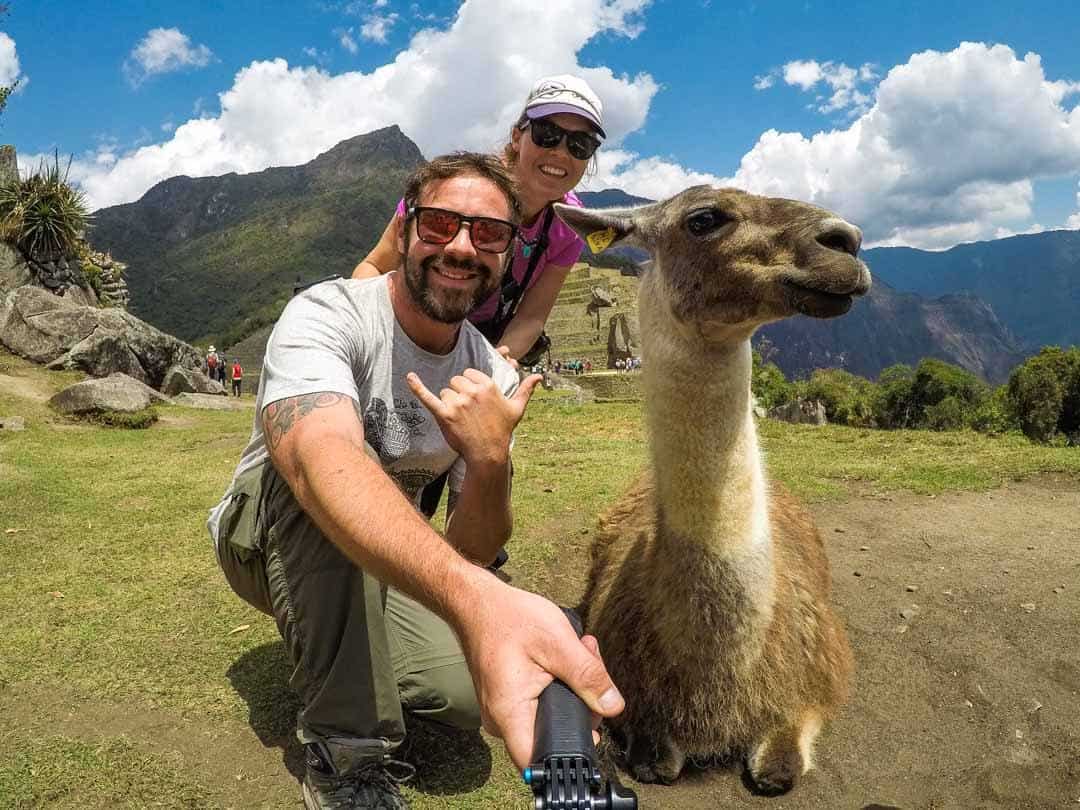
{"x": 457, "y": 164}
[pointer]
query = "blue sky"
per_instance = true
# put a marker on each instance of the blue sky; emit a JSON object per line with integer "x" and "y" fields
{"x": 927, "y": 123}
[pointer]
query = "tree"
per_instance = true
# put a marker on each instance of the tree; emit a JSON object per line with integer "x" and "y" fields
{"x": 936, "y": 381}
{"x": 848, "y": 398}
{"x": 1044, "y": 394}
{"x": 895, "y": 405}
{"x": 768, "y": 383}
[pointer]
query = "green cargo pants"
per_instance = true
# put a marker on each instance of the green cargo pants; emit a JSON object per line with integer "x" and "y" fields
{"x": 360, "y": 651}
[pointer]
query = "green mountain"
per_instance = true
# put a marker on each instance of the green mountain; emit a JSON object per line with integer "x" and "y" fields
{"x": 215, "y": 258}
{"x": 1031, "y": 281}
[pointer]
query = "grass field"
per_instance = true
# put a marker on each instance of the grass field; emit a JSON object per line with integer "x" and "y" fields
{"x": 127, "y": 666}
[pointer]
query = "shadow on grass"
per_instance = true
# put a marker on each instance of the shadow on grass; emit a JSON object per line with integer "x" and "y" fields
{"x": 261, "y": 677}
{"x": 447, "y": 760}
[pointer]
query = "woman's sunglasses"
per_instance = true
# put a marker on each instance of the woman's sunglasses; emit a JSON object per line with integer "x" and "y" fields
{"x": 437, "y": 226}
{"x": 547, "y": 135}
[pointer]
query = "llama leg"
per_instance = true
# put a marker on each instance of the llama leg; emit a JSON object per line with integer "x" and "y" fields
{"x": 784, "y": 755}
{"x": 655, "y": 759}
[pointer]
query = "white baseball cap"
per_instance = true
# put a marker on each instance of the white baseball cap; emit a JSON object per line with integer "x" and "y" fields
{"x": 565, "y": 94}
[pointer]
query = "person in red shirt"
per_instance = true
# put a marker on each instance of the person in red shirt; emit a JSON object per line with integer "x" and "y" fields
{"x": 237, "y": 377}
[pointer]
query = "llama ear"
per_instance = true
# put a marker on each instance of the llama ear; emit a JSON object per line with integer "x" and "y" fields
{"x": 603, "y": 227}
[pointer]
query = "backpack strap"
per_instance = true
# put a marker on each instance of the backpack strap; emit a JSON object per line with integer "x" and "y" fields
{"x": 512, "y": 291}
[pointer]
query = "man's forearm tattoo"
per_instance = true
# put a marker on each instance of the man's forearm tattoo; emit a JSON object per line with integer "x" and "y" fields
{"x": 279, "y": 417}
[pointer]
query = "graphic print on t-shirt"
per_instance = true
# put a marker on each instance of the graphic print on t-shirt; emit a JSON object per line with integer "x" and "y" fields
{"x": 388, "y": 431}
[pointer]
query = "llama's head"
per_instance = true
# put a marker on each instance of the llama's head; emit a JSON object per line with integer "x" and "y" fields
{"x": 730, "y": 259}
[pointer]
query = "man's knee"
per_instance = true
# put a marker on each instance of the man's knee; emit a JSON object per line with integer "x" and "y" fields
{"x": 443, "y": 694}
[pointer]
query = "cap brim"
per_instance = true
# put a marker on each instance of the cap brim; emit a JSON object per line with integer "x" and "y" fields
{"x": 544, "y": 110}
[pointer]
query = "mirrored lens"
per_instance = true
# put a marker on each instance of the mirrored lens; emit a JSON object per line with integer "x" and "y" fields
{"x": 547, "y": 135}
{"x": 438, "y": 227}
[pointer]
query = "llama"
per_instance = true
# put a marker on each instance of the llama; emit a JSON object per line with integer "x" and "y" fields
{"x": 709, "y": 587}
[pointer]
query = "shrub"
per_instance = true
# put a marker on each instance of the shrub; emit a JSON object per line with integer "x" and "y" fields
{"x": 42, "y": 214}
{"x": 848, "y": 398}
{"x": 769, "y": 385}
{"x": 895, "y": 405}
{"x": 139, "y": 420}
{"x": 1044, "y": 394}
{"x": 935, "y": 381}
{"x": 994, "y": 414}
{"x": 949, "y": 414}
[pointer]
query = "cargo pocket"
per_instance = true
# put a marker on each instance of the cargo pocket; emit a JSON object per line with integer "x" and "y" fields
{"x": 239, "y": 525}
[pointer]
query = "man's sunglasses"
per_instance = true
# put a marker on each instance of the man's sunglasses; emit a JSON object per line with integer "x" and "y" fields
{"x": 437, "y": 226}
{"x": 547, "y": 135}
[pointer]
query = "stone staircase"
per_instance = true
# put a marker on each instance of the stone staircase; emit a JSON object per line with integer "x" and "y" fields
{"x": 576, "y": 333}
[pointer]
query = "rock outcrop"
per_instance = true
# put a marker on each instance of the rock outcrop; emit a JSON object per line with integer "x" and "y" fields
{"x": 181, "y": 380}
{"x": 117, "y": 392}
{"x": 800, "y": 412}
{"x": 57, "y": 332}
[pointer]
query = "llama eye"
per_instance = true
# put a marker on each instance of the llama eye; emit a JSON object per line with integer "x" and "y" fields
{"x": 706, "y": 220}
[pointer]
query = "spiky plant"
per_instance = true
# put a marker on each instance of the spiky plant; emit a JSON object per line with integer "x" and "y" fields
{"x": 43, "y": 214}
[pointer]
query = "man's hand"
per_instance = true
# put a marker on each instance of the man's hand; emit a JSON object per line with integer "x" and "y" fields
{"x": 516, "y": 643}
{"x": 475, "y": 417}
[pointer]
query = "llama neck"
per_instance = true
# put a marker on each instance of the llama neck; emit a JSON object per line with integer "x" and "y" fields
{"x": 708, "y": 471}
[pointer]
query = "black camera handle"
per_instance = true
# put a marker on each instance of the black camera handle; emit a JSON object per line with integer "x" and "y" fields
{"x": 564, "y": 774}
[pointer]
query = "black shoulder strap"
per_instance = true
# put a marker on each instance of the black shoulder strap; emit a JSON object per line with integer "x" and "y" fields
{"x": 534, "y": 260}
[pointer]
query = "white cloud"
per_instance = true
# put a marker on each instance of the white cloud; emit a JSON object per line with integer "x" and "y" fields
{"x": 345, "y": 39}
{"x": 803, "y": 74}
{"x": 947, "y": 153}
{"x": 843, "y": 81}
{"x": 651, "y": 177}
{"x": 764, "y": 82}
{"x": 9, "y": 63}
{"x": 377, "y": 27}
{"x": 164, "y": 50}
{"x": 453, "y": 88}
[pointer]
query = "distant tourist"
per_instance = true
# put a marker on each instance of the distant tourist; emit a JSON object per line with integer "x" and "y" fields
{"x": 237, "y": 376}
{"x": 551, "y": 144}
{"x": 380, "y": 613}
{"x": 212, "y": 362}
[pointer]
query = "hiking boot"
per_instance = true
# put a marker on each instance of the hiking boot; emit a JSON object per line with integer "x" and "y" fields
{"x": 340, "y": 776}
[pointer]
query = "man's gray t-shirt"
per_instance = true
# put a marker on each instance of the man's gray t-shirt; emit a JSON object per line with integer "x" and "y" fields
{"x": 342, "y": 337}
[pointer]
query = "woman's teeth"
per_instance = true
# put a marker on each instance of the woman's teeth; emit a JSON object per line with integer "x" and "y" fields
{"x": 552, "y": 171}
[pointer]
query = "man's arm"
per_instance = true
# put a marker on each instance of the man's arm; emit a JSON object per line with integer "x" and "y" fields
{"x": 479, "y": 519}
{"x": 514, "y": 642}
{"x": 316, "y": 442}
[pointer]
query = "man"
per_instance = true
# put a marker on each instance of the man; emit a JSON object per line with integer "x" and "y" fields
{"x": 237, "y": 376}
{"x": 320, "y": 528}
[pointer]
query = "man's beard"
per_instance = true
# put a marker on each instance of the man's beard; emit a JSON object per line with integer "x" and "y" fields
{"x": 448, "y": 305}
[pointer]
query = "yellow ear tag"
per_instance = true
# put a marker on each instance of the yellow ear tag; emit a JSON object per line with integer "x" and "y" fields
{"x": 599, "y": 240}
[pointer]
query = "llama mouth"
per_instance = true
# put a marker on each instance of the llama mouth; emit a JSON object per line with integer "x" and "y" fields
{"x": 817, "y": 303}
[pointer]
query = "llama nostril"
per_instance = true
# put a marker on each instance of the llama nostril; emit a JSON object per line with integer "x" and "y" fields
{"x": 841, "y": 236}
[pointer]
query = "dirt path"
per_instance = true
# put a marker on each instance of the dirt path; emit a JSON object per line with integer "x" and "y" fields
{"x": 972, "y": 702}
{"x": 25, "y": 387}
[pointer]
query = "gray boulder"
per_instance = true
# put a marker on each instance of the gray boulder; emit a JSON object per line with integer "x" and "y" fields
{"x": 800, "y": 412}
{"x": 208, "y": 402}
{"x": 181, "y": 380}
{"x": 62, "y": 334}
{"x": 117, "y": 392}
{"x": 14, "y": 271}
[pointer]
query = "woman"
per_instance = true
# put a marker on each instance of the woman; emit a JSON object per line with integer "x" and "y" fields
{"x": 550, "y": 147}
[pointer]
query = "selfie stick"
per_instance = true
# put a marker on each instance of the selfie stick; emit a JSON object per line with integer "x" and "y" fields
{"x": 564, "y": 774}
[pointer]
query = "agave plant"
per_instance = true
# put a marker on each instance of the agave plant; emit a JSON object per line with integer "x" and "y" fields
{"x": 43, "y": 214}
